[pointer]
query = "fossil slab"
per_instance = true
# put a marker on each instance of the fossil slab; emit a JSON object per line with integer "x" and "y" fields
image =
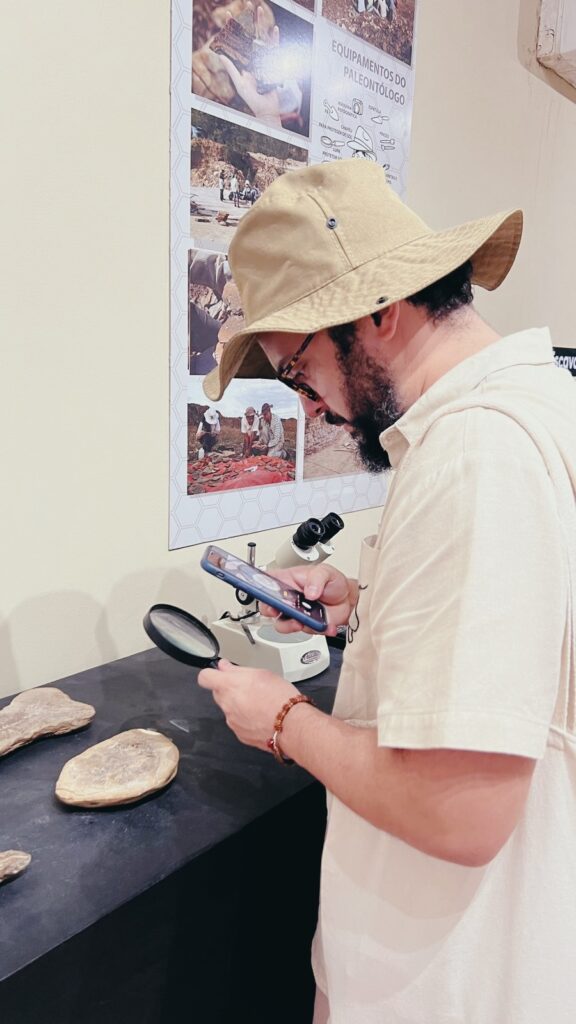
{"x": 120, "y": 770}
{"x": 12, "y": 863}
{"x": 41, "y": 712}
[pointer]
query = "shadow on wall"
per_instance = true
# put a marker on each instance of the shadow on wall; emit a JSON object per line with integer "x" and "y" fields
{"x": 131, "y": 598}
{"x": 8, "y": 670}
{"x": 50, "y": 636}
{"x": 58, "y": 634}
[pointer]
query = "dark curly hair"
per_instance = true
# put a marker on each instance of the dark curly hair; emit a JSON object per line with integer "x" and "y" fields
{"x": 441, "y": 299}
{"x": 445, "y": 296}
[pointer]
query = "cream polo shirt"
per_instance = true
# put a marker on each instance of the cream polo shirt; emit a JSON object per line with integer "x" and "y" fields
{"x": 463, "y": 638}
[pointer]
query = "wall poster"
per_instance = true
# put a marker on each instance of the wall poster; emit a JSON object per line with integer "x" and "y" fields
{"x": 260, "y": 88}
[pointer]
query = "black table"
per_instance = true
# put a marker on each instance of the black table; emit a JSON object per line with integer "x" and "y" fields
{"x": 196, "y": 904}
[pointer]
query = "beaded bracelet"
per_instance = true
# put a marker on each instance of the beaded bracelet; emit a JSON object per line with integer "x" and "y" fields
{"x": 272, "y": 743}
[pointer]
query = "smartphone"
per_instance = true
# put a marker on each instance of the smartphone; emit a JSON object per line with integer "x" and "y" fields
{"x": 291, "y": 603}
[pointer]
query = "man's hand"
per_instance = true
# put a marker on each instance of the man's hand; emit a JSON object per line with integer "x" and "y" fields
{"x": 321, "y": 583}
{"x": 266, "y": 106}
{"x": 250, "y": 699}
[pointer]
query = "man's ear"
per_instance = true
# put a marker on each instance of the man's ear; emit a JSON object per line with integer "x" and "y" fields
{"x": 384, "y": 322}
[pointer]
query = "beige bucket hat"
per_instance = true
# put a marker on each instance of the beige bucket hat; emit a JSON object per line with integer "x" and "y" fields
{"x": 331, "y": 243}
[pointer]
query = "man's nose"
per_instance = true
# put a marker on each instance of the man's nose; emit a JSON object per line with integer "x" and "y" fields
{"x": 313, "y": 406}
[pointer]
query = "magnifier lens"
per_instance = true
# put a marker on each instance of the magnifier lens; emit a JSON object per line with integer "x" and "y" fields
{"x": 180, "y": 635}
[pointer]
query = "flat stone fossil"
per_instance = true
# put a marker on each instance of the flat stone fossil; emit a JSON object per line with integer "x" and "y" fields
{"x": 12, "y": 863}
{"x": 120, "y": 770}
{"x": 41, "y": 712}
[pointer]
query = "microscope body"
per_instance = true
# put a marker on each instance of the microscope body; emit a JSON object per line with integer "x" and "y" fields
{"x": 255, "y": 642}
{"x": 250, "y": 639}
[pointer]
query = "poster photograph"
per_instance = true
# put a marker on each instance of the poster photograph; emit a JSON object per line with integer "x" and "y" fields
{"x": 214, "y": 312}
{"x": 328, "y": 451}
{"x": 230, "y": 167}
{"x": 256, "y": 59}
{"x": 363, "y": 104}
{"x": 246, "y": 440}
{"x": 387, "y": 24}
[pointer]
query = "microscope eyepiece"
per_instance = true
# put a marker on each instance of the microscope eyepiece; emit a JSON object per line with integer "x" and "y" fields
{"x": 332, "y": 524}
{"x": 309, "y": 533}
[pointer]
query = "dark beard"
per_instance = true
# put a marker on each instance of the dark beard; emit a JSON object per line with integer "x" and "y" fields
{"x": 372, "y": 402}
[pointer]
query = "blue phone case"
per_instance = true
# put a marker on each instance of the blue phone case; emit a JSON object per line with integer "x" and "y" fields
{"x": 260, "y": 593}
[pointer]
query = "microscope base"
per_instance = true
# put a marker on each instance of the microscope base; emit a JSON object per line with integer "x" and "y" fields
{"x": 295, "y": 656}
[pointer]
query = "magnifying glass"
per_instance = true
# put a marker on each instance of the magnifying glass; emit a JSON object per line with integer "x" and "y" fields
{"x": 182, "y": 636}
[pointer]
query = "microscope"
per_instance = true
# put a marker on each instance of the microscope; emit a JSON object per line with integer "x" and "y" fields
{"x": 310, "y": 543}
{"x": 249, "y": 639}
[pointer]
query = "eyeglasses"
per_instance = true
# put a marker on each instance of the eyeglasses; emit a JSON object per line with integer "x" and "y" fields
{"x": 282, "y": 374}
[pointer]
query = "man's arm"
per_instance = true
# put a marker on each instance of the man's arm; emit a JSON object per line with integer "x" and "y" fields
{"x": 467, "y": 630}
{"x": 456, "y": 805}
{"x": 211, "y": 269}
{"x": 276, "y": 432}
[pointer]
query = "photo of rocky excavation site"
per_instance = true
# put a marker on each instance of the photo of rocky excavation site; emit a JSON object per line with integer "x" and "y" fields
{"x": 230, "y": 167}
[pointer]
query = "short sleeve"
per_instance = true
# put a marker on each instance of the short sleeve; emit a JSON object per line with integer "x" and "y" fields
{"x": 470, "y": 600}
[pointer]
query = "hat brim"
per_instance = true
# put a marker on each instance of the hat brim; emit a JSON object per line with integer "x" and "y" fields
{"x": 490, "y": 243}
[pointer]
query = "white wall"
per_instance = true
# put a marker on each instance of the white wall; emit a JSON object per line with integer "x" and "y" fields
{"x": 84, "y": 275}
{"x": 493, "y": 130}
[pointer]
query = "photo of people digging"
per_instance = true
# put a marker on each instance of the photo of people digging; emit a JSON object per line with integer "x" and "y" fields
{"x": 387, "y": 24}
{"x": 230, "y": 167}
{"x": 244, "y": 442}
{"x": 255, "y": 58}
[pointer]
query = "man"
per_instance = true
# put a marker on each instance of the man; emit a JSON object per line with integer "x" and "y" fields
{"x": 271, "y": 440}
{"x": 209, "y": 329}
{"x": 249, "y": 431}
{"x": 221, "y": 185}
{"x": 207, "y": 432}
{"x": 234, "y": 189}
{"x": 450, "y": 759}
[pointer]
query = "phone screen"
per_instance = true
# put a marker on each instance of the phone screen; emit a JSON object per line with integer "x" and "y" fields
{"x": 254, "y": 579}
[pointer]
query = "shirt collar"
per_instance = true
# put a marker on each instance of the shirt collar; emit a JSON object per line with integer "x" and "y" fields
{"x": 527, "y": 348}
